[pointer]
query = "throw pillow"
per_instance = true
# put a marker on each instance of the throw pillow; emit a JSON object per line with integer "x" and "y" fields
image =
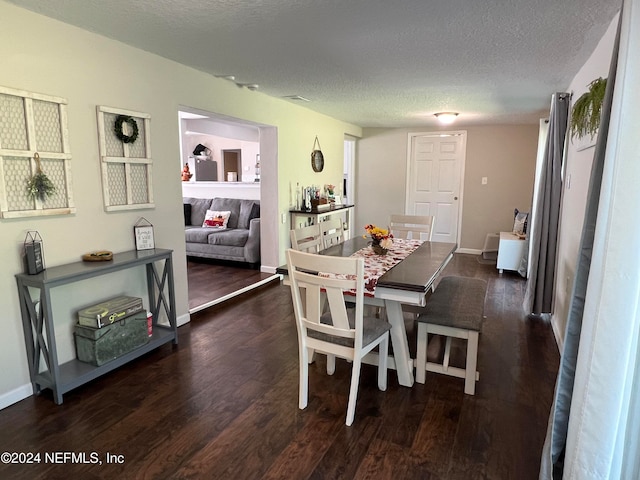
{"x": 216, "y": 219}
{"x": 520, "y": 220}
{"x": 187, "y": 214}
{"x": 255, "y": 211}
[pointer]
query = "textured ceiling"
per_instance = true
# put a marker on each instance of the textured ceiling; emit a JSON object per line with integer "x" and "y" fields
{"x": 374, "y": 63}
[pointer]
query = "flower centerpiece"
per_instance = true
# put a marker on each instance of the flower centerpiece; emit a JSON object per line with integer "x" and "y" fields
{"x": 381, "y": 239}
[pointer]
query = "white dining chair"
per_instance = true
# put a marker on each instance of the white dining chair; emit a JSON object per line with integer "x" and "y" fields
{"x": 332, "y": 232}
{"x": 307, "y": 239}
{"x": 417, "y": 227}
{"x": 340, "y": 332}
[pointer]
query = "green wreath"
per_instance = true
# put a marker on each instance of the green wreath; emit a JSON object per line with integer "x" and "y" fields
{"x": 117, "y": 128}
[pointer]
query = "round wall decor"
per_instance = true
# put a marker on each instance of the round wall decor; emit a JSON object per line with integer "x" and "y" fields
{"x": 117, "y": 127}
{"x": 317, "y": 158}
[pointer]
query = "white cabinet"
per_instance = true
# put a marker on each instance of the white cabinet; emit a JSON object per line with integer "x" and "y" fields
{"x": 510, "y": 251}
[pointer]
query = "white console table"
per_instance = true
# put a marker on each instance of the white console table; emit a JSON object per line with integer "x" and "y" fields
{"x": 510, "y": 251}
{"x": 302, "y": 218}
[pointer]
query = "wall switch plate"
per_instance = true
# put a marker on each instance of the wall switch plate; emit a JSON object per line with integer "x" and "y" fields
{"x": 484, "y": 180}
{"x": 284, "y": 218}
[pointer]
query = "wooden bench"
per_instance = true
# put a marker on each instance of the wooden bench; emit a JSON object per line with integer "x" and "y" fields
{"x": 455, "y": 309}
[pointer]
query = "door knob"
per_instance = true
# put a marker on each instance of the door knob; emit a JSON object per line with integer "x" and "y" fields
{"x": 455, "y": 198}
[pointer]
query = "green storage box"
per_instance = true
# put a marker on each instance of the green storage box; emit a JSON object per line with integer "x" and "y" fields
{"x": 101, "y": 345}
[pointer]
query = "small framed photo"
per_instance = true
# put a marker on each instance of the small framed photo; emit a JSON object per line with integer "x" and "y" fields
{"x": 143, "y": 233}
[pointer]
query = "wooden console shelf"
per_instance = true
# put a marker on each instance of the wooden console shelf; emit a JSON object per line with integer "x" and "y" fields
{"x": 38, "y": 325}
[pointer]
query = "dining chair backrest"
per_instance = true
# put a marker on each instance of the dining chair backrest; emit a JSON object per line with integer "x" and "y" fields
{"x": 332, "y": 232}
{"x": 417, "y": 227}
{"x": 338, "y": 274}
{"x": 339, "y": 331}
{"x": 307, "y": 239}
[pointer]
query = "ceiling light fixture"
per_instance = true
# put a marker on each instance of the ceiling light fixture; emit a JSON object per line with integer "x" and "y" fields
{"x": 446, "y": 118}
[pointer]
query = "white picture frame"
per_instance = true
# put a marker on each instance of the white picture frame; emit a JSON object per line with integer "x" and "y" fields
{"x": 34, "y": 124}
{"x": 127, "y": 182}
{"x": 144, "y": 237}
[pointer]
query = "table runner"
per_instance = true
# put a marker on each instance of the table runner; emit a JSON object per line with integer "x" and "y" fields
{"x": 377, "y": 265}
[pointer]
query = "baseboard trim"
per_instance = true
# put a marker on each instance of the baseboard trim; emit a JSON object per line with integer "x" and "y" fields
{"x": 182, "y": 319}
{"x": 235, "y": 294}
{"x": 15, "y": 395}
{"x": 265, "y": 269}
{"x": 470, "y": 251}
{"x": 556, "y": 333}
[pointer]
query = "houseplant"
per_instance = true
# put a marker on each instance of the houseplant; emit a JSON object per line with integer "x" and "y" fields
{"x": 585, "y": 114}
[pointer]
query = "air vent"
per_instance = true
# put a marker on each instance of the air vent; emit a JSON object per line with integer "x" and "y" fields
{"x": 296, "y": 98}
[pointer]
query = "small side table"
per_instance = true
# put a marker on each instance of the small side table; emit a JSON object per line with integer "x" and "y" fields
{"x": 510, "y": 251}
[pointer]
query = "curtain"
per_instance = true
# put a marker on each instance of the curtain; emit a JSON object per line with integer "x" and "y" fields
{"x": 544, "y": 231}
{"x": 553, "y": 454}
{"x": 525, "y": 262}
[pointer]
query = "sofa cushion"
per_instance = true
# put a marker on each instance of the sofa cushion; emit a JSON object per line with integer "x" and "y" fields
{"x": 199, "y": 234}
{"x": 230, "y": 238}
{"x": 247, "y": 212}
{"x": 199, "y": 207}
{"x": 228, "y": 204}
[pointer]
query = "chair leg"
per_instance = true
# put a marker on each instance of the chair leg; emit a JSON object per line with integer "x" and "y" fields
{"x": 471, "y": 364}
{"x": 421, "y": 353}
{"x": 331, "y": 364}
{"x": 304, "y": 379}
{"x": 383, "y": 351}
{"x": 353, "y": 391}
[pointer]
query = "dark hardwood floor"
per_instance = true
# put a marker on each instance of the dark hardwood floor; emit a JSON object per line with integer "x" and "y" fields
{"x": 210, "y": 282}
{"x": 224, "y": 405}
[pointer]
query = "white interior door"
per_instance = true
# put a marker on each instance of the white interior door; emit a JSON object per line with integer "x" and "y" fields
{"x": 434, "y": 180}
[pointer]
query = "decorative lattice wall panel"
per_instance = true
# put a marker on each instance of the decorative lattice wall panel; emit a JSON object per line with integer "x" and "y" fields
{"x": 126, "y": 166}
{"x": 30, "y": 124}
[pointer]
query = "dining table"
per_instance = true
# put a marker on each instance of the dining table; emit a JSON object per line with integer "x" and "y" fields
{"x": 403, "y": 276}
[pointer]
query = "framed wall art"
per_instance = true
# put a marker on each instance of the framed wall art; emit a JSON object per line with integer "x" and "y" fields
{"x": 143, "y": 234}
{"x": 125, "y": 159}
{"x": 35, "y": 159}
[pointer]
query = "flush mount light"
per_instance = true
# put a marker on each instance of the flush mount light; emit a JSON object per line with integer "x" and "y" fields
{"x": 446, "y": 118}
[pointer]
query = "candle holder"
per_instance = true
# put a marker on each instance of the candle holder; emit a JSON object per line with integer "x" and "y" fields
{"x": 33, "y": 253}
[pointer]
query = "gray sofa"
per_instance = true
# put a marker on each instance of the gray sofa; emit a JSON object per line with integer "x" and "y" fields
{"x": 239, "y": 241}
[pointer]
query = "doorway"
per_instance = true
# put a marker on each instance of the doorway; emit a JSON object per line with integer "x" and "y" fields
{"x": 193, "y": 123}
{"x": 232, "y": 165}
{"x": 435, "y": 169}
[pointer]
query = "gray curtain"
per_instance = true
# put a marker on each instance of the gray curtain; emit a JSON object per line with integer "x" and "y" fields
{"x": 552, "y": 462}
{"x": 539, "y": 292}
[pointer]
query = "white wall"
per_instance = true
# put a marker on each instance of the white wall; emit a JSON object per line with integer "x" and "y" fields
{"x": 505, "y": 154}
{"x": 46, "y": 56}
{"x": 576, "y": 184}
{"x": 249, "y": 191}
{"x": 217, "y": 144}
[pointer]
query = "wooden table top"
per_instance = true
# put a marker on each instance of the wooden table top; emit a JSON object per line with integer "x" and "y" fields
{"x": 415, "y": 273}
